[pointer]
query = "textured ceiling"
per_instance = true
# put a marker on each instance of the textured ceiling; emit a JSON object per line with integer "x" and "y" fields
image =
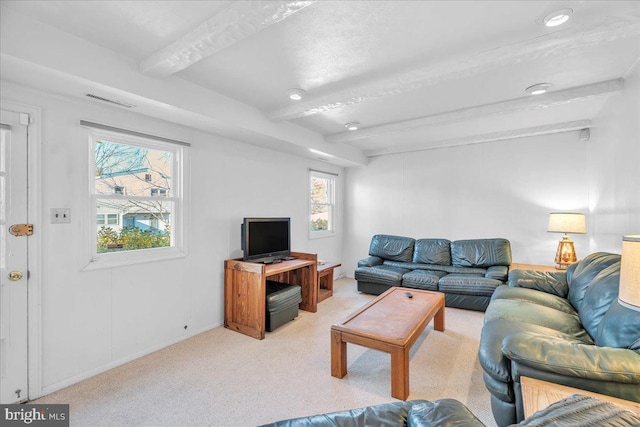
{"x": 415, "y": 74}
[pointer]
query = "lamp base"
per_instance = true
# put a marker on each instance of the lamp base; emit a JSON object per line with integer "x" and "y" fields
{"x": 566, "y": 253}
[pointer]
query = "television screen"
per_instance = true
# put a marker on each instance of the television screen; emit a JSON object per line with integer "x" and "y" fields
{"x": 266, "y": 238}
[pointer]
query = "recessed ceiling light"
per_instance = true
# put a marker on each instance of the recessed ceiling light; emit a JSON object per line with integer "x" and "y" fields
{"x": 557, "y": 17}
{"x": 538, "y": 89}
{"x": 296, "y": 94}
{"x": 352, "y": 125}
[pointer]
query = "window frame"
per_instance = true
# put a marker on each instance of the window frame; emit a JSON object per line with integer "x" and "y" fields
{"x": 315, "y": 234}
{"x": 179, "y": 197}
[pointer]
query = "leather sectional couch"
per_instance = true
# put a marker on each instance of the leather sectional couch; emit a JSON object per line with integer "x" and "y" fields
{"x": 412, "y": 413}
{"x": 572, "y": 411}
{"x": 563, "y": 327}
{"x": 466, "y": 271}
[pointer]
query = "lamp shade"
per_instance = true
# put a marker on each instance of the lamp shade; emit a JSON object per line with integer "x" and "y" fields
{"x": 564, "y": 222}
{"x": 629, "y": 295}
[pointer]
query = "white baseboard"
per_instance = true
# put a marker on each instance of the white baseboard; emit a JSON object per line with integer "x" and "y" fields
{"x": 83, "y": 376}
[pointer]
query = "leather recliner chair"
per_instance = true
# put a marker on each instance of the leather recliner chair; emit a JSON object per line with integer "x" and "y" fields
{"x": 562, "y": 327}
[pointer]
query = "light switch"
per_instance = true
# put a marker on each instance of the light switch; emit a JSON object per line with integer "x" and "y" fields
{"x": 60, "y": 215}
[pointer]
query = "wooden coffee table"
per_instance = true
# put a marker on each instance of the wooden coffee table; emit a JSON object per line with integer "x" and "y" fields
{"x": 392, "y": 323}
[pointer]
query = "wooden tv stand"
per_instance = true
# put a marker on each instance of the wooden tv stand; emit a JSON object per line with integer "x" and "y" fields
{"x": 245, "y": 285}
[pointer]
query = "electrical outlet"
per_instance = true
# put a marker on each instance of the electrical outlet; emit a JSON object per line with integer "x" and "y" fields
{"x": 60, "y": 215}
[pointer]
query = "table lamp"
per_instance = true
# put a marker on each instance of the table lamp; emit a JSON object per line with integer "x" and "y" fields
{"x": 629, "y": 295}
{"x": 565, "y": 222}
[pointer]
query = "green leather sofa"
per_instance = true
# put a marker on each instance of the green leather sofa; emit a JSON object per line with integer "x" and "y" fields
{"x": 573, "y": 411}
{"x": 412, "y": 413}
{"x": 565, "y": 327}
{"x": 466, "y": 271}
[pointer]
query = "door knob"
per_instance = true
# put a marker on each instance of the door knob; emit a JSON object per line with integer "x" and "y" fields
{"x": 15, "y": 275}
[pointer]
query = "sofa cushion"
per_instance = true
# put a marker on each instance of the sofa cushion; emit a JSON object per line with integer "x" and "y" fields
{"x": 370, "y": 261}
{"x": 620, "y": 328}
{"x": 481, "y": 252}
{"x": 443, "y": 412}
{"x": 598, "y": 298}
{"x": 396, "y": 248}
{"x": 498, "y": 272}
{"x": 525, "y": 312}
{"x": 468, "y": 284}
{"x": 422, "y": 279}
{"x": 581, "y": 274}
{"x": 445, "y": 268}
{"x": 536, "y": 297}
{"x": 432, "y": 251}
{"x": 381, "y": 274}
{"x": 551, "y": 282}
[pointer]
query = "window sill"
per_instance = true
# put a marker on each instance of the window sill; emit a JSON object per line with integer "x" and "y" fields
{"x": 321, "y": 234}
{"x": 131, "y": 258}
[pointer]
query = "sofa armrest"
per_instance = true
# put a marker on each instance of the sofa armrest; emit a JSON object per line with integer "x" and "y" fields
{"x": 551, "y": 282}
{"x": 573, "y": 358}
{"x": 370, "y": 261}
{"x": 498, "y": 272}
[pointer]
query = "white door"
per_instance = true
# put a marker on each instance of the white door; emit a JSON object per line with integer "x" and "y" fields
{"x": 13, "y": 257}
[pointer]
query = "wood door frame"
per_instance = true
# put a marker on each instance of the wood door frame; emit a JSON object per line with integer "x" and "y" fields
{"x": 34, "y": 216}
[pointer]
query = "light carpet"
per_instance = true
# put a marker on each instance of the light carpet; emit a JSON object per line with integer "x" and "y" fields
{"x": 223, "y": 378}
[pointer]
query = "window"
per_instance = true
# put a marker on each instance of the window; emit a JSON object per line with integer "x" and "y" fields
{"x": 322, "y": 206}
{"x": 111, "y": 219}
{"x": 159, "y": 192}
{"x": 137, "y": 197}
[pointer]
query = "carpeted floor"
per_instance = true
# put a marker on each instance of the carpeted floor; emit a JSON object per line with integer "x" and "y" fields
{"x": 223, "y": 378}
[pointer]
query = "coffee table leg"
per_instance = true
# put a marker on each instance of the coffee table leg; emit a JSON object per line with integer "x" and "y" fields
{"x": 438, "y": 320}
{"x": 338, "y": 355}
{"x": 400, "y": 373}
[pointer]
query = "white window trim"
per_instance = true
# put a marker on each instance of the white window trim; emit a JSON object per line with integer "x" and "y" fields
{"x": 332, "y": 231}
{"x": 179, "y": 220}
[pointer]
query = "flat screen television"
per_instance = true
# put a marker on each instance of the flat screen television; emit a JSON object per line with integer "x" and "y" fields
{"x": 266, "y": 239}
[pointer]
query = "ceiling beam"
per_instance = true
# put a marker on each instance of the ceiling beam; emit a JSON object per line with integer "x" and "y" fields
{"x": 238, "y": 21}
{"x": 529, "y": 103}
{"x": 569, "y": 42}
{"x": 488, "y": 137}
{"x": 46, "y": 59}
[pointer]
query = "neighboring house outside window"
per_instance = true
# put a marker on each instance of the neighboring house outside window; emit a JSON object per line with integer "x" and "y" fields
{"x": 136, "y": 197}
{"x": 322, "y": 204}
{"x": 159, "y": 192}
{"x": 110, "y": 219}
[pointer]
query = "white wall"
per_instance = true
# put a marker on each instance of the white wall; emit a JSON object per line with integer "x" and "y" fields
{"x": 507, "y": 189}
{"x": 94, "y": 320}
{"x": 498, "y": 189}
{"x": 614, "y": 169}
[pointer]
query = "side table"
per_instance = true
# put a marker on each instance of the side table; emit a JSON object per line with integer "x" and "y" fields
{"x": 520, "y": 266}
{"x": 325, "y": 279}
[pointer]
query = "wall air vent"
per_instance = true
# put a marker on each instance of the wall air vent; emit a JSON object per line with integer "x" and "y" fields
{"x": 111, "y": 101}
